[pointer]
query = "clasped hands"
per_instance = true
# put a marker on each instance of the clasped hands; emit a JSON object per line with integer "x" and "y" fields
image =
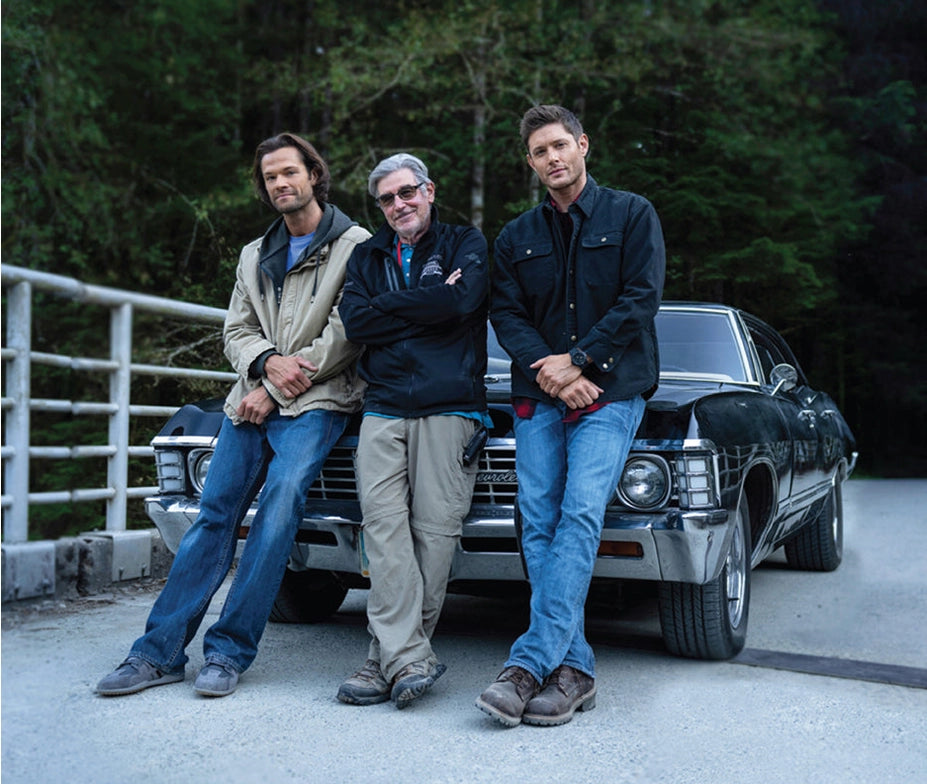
{"x": 559, "y": 377}
{"x": 286, "y": 374}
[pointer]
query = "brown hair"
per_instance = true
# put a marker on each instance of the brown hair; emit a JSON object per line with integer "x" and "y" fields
{"x": 314, "y": 163}
{"x": 547, "y": 114}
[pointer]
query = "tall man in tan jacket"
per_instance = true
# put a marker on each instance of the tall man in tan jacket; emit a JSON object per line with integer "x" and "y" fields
{"x": 297, "y": 387}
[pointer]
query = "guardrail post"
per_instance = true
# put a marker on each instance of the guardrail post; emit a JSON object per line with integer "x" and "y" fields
{"x": 120, "y": 395}
{"x": 30, "y": 568}
{"x": 16, "y": 430}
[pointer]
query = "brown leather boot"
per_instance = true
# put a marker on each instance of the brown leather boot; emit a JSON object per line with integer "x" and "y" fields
{"x": 566, "y": 690}
{"x": 506, "y": 697}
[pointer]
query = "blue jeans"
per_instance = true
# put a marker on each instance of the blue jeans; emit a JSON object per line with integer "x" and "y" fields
{"x": 567, "y": 473}
{"x": 286, "y": 455}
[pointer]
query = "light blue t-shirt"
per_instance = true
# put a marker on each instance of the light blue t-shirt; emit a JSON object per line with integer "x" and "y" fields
{"x": 297, "y": 246}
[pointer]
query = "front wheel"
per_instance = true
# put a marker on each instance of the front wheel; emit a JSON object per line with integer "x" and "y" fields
{"x": 307, "y": 597}
{"x": 818, "y": 546}
{"x": 710, "y": 621}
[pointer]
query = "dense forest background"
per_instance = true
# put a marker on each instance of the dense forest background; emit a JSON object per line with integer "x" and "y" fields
{"x": 781, "y": 141}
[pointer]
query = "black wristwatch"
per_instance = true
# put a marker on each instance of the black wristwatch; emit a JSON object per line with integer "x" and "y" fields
{"x": 579, "y": 357}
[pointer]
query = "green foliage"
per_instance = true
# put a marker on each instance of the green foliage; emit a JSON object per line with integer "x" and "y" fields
{"x": 115, "y": 153}
{"x": 706, "y": 108}
{"x": 780, "y": 141}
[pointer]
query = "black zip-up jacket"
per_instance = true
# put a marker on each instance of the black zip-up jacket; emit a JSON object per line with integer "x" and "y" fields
{"x": 426, "y": 341}
{"x": 596, "y": 286}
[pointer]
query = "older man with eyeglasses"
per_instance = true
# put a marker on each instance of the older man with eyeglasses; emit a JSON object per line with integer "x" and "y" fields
{"x": 416, "y": 296}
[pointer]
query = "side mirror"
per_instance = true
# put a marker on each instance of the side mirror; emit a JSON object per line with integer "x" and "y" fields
{"x": 783, "y": 378}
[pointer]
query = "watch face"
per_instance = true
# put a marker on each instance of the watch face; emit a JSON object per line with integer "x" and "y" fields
{"x": 578, "y": 356}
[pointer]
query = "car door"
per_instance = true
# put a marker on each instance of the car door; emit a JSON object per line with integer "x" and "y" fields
{"x": 805, "y": 411}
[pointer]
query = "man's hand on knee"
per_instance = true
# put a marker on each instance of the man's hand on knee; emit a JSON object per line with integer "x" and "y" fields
{"x": 256, "y": 406}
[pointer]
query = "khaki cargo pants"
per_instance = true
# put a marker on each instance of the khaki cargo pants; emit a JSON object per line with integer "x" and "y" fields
{"x": 414, "y": 493}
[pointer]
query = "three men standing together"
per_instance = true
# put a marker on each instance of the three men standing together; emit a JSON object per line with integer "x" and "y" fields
{"x": 576, "y": 284}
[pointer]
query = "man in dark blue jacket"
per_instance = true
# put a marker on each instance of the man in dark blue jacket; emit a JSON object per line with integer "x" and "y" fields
{"x": 416, "y": 296}
{"x": 577, "y": 282}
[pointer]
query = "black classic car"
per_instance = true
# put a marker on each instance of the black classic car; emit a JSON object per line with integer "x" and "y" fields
{"x": 736, "y": 457}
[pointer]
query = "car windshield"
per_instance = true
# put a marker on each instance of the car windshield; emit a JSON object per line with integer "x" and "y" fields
{"x": 692, "y": 343}
{"x": 702, "y": 343}
{"x": 498, "y": 363}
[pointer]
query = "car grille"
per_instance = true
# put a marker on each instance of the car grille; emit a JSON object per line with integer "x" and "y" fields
{"x": 336, "y": 480}
{"x": 496, "y": 482}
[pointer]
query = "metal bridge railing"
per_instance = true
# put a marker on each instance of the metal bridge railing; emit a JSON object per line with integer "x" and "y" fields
{"x": 17, "y": 403}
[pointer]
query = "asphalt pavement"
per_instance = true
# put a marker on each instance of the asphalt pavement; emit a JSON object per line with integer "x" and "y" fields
{"x": 832, "y": 687}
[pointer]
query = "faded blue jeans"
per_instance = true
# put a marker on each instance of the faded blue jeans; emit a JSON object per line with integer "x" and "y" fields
{"x": 286, "y": 455}
{"x": 567, "y": 473}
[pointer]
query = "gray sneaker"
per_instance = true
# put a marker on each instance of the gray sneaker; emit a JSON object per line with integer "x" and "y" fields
{"x": 216, "y": 680}
{"x": 413, "y": 680}
{"x": 367, "y": 686}
{"x": 133, "y": 675}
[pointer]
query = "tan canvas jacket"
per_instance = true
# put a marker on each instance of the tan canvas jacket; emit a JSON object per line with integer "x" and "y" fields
{"x": 299, "y": 317}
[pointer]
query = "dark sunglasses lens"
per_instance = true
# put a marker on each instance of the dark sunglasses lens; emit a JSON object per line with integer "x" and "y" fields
{"x": 405, "y": 193}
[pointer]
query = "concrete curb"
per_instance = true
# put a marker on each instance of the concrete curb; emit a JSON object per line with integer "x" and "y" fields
{"x": 85, "y": 565}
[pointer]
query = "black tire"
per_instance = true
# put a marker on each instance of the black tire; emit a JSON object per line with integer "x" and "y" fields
{"x": 307, "y": 597}
{"x": 818, "y": 545}
{"x": 710, "y": 621}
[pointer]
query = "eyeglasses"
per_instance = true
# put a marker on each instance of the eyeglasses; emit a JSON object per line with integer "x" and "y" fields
{"x": 406, "y": 193}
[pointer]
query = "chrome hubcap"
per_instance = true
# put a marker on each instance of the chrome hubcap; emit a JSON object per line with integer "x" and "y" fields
{"x": 736, "y": 570}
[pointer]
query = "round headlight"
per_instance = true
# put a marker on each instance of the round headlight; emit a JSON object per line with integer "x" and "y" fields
{"x": 199, "y": 461}
{"x": 645, "y": 482}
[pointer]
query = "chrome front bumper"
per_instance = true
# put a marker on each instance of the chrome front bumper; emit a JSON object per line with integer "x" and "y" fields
{"x": 673, "y": 546}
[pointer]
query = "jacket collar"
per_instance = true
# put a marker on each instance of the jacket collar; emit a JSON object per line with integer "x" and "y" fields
{"x": 277, "y": 237}
{"x": 585, "y": 201}
{"x": 275, "y": 245}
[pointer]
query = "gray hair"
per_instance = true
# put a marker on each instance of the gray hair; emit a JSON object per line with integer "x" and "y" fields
{"x": 387, "y": 166}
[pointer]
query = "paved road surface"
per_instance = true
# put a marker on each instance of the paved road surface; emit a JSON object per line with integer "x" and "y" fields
{"x": 861, "y": 718}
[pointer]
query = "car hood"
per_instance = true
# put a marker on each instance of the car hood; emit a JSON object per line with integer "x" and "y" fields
{"x": 680, "y": 393}
{"x": 668, "y": 411}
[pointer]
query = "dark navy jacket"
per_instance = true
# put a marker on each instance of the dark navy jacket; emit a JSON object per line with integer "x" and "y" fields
{"x": 426, "y": 342}
{"x": 599, "y": 290}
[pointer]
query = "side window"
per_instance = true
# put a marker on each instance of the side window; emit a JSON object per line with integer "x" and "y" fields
{"x": 769, "y": 354}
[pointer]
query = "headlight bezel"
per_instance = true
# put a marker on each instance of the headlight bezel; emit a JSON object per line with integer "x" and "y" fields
{"x": 659, "y": 474}
{"x": 198, "y": 461}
